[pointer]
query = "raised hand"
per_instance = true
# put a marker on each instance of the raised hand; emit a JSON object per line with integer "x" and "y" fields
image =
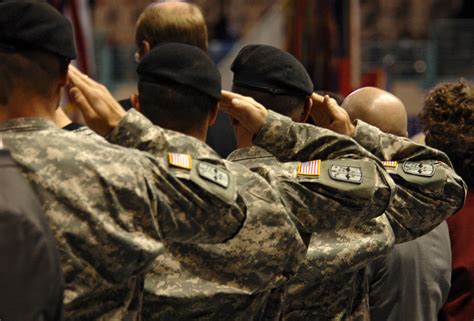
{"x": 101, "y": 111}
{"x": 249, "y": 113}
{"x": 328, "y": 114}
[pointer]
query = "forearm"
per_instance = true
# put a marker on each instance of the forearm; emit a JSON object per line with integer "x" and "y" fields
{"x": 290, "y": 141}
{"x": 345, "y": 193}
{"x": 422, "y": 203}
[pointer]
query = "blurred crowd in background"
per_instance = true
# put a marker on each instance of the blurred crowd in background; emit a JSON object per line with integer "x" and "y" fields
{"x": 403, "y": 46}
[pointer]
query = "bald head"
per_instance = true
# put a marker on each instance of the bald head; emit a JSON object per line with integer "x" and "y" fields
{"x": 378, "y": 108}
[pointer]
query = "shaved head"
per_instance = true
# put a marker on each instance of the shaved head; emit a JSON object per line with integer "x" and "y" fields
{"x": 378, "y": 108}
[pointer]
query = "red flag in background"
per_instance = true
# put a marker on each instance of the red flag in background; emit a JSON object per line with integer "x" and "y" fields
{"x": 80, "y": 14}
{"x": 323, "y": 35}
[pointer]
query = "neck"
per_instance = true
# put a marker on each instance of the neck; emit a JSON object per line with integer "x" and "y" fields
{"x": 28, "y": 106}
{"x": 200, "y": 133}
{"x": 243, "y": 143}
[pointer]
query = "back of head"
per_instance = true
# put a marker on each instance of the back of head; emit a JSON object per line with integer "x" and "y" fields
{"x": 447, "y": 119}
{"x": 378, "y": 108}
{"x": 172, "y": 22}
{"x": 273, "y": 77}
{"x": 178, "y": 86}
{"x": 36, "y": 45}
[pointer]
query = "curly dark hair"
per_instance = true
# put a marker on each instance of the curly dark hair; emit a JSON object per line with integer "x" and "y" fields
{"x": 447, "y": 119}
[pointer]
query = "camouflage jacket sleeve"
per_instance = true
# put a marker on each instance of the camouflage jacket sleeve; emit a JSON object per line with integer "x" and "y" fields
{"x": 428, "y": 190}
{"x": 201, "y": 209}
{"x": 323, "y": 195}
{"x": 290, "y": 141}
{"x": 351, "y": 185}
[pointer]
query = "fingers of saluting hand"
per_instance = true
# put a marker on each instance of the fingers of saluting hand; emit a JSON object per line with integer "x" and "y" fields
{"x": 94, "y": 92}
{"x": 81, "y": 102}
{"x": 246, "y": 110}
{"x": 317, "y": 99}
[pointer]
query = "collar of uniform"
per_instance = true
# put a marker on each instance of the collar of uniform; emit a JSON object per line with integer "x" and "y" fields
{"x": 22, "y": 124}
{"x": 252, "y": 152}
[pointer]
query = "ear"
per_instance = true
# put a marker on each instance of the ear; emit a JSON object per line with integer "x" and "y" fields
{"x": 213, "y": 115}
{"x": 308, "y": 105}
{"x": 64, "y": 79}
{"x": 135, "y": 101}
{"x": 146, "y": 47}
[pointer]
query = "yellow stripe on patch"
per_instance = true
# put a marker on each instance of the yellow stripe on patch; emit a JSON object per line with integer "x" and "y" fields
{"x": 390, "y": 164}
{"x": 180, "y": 160}
{"x": 311, "y": 168}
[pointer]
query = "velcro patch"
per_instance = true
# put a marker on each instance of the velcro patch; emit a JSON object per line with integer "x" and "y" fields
{"x": 347, "y": 174}
{"x": 213, "y": 173}
{"x": 180, "y": 160}
{"x": 311, "y": 168}
{"x": 419, "y": 169}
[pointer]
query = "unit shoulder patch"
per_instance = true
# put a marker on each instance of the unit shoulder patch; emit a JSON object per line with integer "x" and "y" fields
{"x": 312, "y": 168}
{"x": 419, "y": 169}
{"x": 213, "y": 173}
{"x": 349, "y": 174}
{"x": 180, "y": 160}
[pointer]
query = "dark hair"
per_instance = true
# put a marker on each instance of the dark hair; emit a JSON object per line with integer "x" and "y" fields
{"x": 282, "y": 104}
{"x": 174, "y": 106}
{"x": 34, "y": 72}
{"x": 447, "y": 119}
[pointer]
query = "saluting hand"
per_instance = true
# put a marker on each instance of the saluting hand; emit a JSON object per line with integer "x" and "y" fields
{"x": 250, "y": 114}
{"x": 328, "y": 114}
{"x": 101, "y": 111}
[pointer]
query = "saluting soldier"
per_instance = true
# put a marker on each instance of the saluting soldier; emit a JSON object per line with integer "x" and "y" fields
{"x": 179, "y": 89}
{"x": 331, "y": 284}
{"x": 109, "y": 207}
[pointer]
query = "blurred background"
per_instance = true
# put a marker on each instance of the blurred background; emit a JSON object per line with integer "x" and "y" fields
{"x": 403, "y": 46}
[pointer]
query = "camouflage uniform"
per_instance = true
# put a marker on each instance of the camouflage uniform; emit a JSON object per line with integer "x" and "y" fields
{"x": 109, "y": 207}
{"x": 229, "y": 281}
{"x": 316, "y": 293}
{"x": 224, "y": 281}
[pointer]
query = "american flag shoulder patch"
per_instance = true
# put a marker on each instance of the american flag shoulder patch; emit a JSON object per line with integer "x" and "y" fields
{"x": 311, "y": 168}
{"x": 180, "y": 160}
{"x": 390, "y": 164}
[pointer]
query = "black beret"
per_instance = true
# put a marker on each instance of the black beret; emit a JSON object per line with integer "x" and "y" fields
{"x": 35, "y": 25}
{"x": 270, "y": 69}
{"x": 181, "y": 64}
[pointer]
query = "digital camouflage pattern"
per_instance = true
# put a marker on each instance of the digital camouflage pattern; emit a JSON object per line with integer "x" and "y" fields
{"x": 331, "y": 283}
{"x": 305, "y": 196}
{"x": 110, "y": 207}
{"x": 226, "y": 281}
{"x": 229, "y": 281}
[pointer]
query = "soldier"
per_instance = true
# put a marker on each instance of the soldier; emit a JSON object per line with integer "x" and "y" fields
{"x": 422, "y": 265}
{"x": 178, "y": 89}
{"x": 30, "y": 274}
{"x": 425, "y": 181}
{"x": 164, "y": 22}
{"x": 213, "y": 282}
{"x": 109, "y": 207}
{"x": 180, "y": 22}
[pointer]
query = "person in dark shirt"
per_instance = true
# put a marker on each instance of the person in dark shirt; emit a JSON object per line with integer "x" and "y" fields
{"x": 30, "y": 276}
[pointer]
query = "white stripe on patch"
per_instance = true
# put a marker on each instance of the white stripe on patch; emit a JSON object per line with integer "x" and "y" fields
{"x": 180, "y": 160}
{"x": 311, "y": 168}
